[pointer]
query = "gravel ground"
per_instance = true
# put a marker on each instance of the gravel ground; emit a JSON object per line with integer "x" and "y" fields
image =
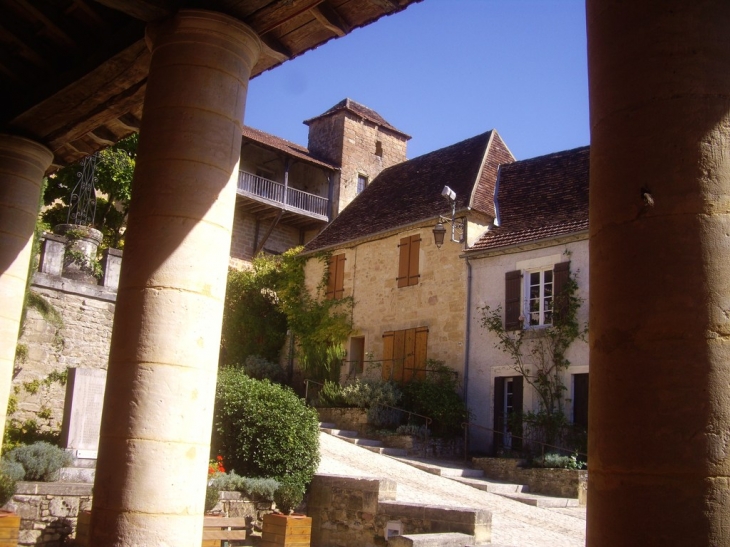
{"x": 513, "y": 523}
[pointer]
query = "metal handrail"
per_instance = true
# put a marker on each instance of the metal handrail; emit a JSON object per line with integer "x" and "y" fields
{"x": 276, "y": 192}
{"x": 466, "y": 425}
{"x": 307, "y": 381}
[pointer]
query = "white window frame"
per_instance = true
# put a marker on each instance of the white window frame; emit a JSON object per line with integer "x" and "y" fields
{"x": 528, "y": 266}
{"x": 527, "y": 292}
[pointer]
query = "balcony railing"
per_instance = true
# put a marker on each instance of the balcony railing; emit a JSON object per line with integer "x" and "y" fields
{"x": 276, "y": 193}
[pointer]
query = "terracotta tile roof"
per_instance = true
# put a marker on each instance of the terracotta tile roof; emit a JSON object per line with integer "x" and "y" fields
{"x": 276, "y": 143}
{"x": 540, "y": 198}
{"x": 361, "y": 111}
{"x": 410, "y": 192}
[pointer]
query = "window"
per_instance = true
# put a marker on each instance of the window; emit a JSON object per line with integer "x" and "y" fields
{"x": 335, "y": 280}
{"x": 409, "y": 248}
{"x": 379, "y": 149}
{"x": 362, "y": 182}
{"x": 404, "y": 354}
{"x": 537, "y": 302}
{"x": 356, "y": 355}
{"x": 539, "y": 292}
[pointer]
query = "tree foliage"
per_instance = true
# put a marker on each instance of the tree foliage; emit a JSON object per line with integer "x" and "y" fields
{"x": 264, "y": 302}
{"x": 114, "y": 171}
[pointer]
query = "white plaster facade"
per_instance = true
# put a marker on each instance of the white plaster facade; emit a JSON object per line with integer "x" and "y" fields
{"x": 486, "y": 362}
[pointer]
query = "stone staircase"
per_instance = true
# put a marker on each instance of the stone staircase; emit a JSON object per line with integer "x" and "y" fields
{"x": 456, "y": 471}
{"x": 368, "y": 444}
{"x": 80, "y": 470}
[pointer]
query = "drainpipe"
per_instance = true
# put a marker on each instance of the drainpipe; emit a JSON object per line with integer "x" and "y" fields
{"x": 467, "y": 339}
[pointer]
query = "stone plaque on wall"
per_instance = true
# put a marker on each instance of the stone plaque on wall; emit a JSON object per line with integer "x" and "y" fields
{"x": 82, "y": 411}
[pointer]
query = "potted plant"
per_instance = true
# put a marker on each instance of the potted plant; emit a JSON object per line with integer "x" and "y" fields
{"x": 286, "y": 528}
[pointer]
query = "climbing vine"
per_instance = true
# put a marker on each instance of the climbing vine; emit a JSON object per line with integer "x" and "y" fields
{"x": 271, "y": 298}
{"x": 539, "y": 356}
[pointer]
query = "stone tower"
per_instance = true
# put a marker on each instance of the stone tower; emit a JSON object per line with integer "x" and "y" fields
{"x": 360, "y": 141}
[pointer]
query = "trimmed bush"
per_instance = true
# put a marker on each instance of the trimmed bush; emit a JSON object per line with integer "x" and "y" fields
{"x": 41, "y": 461}
{"x": 264, "y": 430}
{"x": 553, "y": 460}
{"x": 288, "y": 496}
{"x": 262, "y": 369}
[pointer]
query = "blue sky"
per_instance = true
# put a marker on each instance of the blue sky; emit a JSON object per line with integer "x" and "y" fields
{"x": 443, "y": 71}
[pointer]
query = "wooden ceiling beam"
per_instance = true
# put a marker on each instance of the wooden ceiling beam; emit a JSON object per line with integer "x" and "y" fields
{"x": 144, "y": 10}
{"x": 277, "y": 13}
{"x": 271, "y": 47}
{"x": 51, "y": 28}
{"x": 23, "y": 48}
{"x": 330, "y": 19}
{"x": 388, "y": 5}
{"x": 130, "y": 122}
{"x": 103, "y": 136}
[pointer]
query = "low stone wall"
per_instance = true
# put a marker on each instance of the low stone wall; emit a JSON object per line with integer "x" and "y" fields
{"x": 352, "y": 419}
{"x": 563, "y": 483}
{"x": 434, "y": 448}
{"x": 49, "y": 511}
{"x": 350, "y": 511}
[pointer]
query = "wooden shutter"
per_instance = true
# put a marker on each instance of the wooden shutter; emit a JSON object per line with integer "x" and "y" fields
{"x": 413, "y": 273}
{"x": 387, "y": 369}
{"x": 399, "y": 354}
{"x": 580, "y": 399}
{"x": 409, "y": 354}
{"x": 340, "y": 276}
{"x": 336, "y": 277}
{"x": 421, "y": 354}
{"x": 513, "y": 300}
{"x": 561, "y": 275}
{"x": 408, "y": 261}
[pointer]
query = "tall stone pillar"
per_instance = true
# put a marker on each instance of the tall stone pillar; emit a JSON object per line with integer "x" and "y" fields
{"x": 659, "y": 434}
{"x": 158, "y": 406}
{"x": 22, "y": 166}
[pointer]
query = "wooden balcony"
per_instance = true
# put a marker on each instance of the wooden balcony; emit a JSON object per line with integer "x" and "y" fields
{"x": 266, "y": 198}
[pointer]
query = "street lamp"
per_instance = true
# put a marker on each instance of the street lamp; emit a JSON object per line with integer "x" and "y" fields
{"x": 439, "y": 231}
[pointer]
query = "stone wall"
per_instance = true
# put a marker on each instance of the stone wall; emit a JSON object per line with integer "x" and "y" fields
{"x": 87, "y": 311}
{"x": 49, "y": 511}
{"x": 352, "y": 419}
{"x": 350, "y": 511}
{"x": 562, "y": 483}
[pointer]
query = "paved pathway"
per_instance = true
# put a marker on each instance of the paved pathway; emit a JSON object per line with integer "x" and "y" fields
{"x": 513, "y": 523}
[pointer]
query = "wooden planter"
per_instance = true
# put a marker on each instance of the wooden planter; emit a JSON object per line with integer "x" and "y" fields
{"x": 9, "y": 529}
{"x": 288, "y": 530}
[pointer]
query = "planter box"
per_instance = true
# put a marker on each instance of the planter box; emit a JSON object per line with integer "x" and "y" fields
{"x": 286, "y": 530}
{"x": 9, "y": 529}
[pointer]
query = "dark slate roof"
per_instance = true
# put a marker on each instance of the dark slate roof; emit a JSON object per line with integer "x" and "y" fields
{"x": 361, "y": 111}
{"x": 540, "y": 198}
{"x": 410, "y": 192}
{"x": 276, "y": 143}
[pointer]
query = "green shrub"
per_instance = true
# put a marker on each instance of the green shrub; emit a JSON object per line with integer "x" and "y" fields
{"x": 14, "y": 470}
{"x": 288, "y": 496}
{"x": 331, "y": 395}
{"x": 7, "y": 488}
{"x": 252, "y": 488}
{"x": 259, "y": 368}
{"x": 553, "y": 460}
{"x": 41, "y": 461}
{"x": 368, "y": 392}
{"x": 263, "y": 429}
{"x": 435, "y": 396}
{"x": 211, "y": 497}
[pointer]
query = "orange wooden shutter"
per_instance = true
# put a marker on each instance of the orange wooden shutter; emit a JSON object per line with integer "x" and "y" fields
{"x": 409, "y": 354}
{"x": 405, "y": 249}
{"x": 420, "y": 352}
{"x": 340, "y": 277}
{"x": 387, "y": 368}
{"x": 399, "y": 353}
{"x": 413, "y": 273}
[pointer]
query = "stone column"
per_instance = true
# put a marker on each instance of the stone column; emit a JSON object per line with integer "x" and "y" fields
{"x": 158, "y": 405}
{"x": 22, "y": 166}
{"x": 659, "y": 435}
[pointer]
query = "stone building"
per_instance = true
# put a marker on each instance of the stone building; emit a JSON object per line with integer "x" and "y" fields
{"x": 409, "y": 294}
{"x": 288, "y": 193}
{"x": 540, "y": 237}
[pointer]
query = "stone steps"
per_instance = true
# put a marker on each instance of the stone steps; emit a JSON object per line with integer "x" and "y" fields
{"x": 493, "y": 487}
{"x": 448, "y": 539}
{"x": 537, "y": 500}
{"x": 77, "y": 474}
{"x": 395, "y": 452}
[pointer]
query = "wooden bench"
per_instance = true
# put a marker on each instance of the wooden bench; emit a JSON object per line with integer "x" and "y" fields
{"x": 218, "y": 529}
